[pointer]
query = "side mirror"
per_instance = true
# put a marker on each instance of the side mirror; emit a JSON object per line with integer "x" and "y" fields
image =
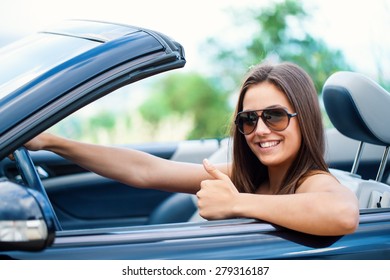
{"x": 25, "y": 220}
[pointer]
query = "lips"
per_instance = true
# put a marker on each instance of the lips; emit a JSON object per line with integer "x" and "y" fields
{"x": 268, "y": 144}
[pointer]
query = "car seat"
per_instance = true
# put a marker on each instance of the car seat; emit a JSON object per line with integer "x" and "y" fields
{"x": 177, "y": 208}
{"x": 359, "y": 109}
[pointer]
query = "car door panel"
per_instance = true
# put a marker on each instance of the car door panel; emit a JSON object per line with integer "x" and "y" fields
{"x": 83, "y": 199}
{"x": 98, "y": 202}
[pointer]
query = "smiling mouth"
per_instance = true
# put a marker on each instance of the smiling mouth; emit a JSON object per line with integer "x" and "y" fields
{"x": 269, "y": 144}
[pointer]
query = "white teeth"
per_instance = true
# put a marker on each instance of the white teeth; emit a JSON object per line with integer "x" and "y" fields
{"x": 269, "y": 144}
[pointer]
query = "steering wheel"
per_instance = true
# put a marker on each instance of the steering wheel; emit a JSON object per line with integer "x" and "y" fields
{"x": 31, "y": 178}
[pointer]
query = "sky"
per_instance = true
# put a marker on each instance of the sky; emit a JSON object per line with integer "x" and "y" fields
{"x": 359, "y": 28}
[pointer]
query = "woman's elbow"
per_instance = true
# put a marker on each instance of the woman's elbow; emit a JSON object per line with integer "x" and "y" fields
{"x": 348, "y": 219}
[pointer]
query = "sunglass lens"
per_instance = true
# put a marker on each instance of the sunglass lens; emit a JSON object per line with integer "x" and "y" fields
{"x": 247, "y": 121}
{"x": 276, "y": 119}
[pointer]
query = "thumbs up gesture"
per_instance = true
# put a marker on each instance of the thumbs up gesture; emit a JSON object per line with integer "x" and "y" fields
{"x": 217, "y": 196}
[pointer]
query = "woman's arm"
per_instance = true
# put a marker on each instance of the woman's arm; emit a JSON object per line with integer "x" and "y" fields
{"x": 322, "y": 206}
{"x": 131, "y": 167}
{"x": 324, "y": 211}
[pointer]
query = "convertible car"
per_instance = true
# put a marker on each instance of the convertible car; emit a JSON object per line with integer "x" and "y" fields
{"x": 51, "y": 208}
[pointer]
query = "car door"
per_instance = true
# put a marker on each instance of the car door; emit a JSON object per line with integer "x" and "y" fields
{"x": 82, "y": 199}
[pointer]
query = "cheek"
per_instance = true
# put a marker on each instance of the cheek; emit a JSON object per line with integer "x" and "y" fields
{"x": 296, "y": 136}
{"x": 248, "y": 140}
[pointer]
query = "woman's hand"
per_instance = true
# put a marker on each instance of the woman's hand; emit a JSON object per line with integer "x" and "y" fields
{"x": 37, "y": 143}
{"x": 34, "y": 144}
{"x": 216, "y": 197}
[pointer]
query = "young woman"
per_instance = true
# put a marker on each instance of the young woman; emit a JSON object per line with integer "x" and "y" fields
{"x": 278, "y": 173}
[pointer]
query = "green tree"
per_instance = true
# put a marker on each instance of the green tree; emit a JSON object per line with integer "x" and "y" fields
{"x": 103, "y": 119}
{"x": 101, "y": 123}
{"x": 279, "y": 34}
{"x": 189, "y": 95}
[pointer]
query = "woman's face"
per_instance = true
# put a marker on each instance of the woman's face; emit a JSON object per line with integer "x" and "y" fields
{"x": 272, "y": 148}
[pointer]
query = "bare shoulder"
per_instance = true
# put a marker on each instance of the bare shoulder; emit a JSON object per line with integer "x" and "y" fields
{"x": 321, "y": 182}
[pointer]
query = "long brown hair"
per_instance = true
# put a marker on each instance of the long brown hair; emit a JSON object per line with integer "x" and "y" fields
{"x": 248, "y": 173}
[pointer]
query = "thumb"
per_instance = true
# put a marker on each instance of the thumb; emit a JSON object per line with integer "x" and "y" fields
{"x": 214, "y": 172}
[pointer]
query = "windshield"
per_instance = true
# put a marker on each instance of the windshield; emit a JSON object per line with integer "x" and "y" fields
{"x": 26, "y": 59}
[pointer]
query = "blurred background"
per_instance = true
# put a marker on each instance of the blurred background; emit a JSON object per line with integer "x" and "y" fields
{"x": 222, "y": 39}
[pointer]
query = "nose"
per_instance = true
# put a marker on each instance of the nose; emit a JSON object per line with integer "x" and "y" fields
{"x": 261, "y": 128}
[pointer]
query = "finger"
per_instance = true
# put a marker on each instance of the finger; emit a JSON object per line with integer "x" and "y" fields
{"x": 214, "y": 172}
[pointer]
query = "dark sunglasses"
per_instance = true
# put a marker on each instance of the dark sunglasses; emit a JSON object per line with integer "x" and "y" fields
{"x": 276, "y": 119}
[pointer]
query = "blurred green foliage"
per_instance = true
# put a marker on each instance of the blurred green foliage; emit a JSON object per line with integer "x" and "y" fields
{"x": 102, "y": 127}
{"x": 279, "y": 34}
{"x": 189, "y": 95}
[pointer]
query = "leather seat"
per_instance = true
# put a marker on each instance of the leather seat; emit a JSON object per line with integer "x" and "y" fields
{"x": 177, "y": 208}
{"x": 358, "y": 107}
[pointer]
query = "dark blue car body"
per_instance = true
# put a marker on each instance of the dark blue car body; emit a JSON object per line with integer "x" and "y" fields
{"x": 83, "y": 61}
